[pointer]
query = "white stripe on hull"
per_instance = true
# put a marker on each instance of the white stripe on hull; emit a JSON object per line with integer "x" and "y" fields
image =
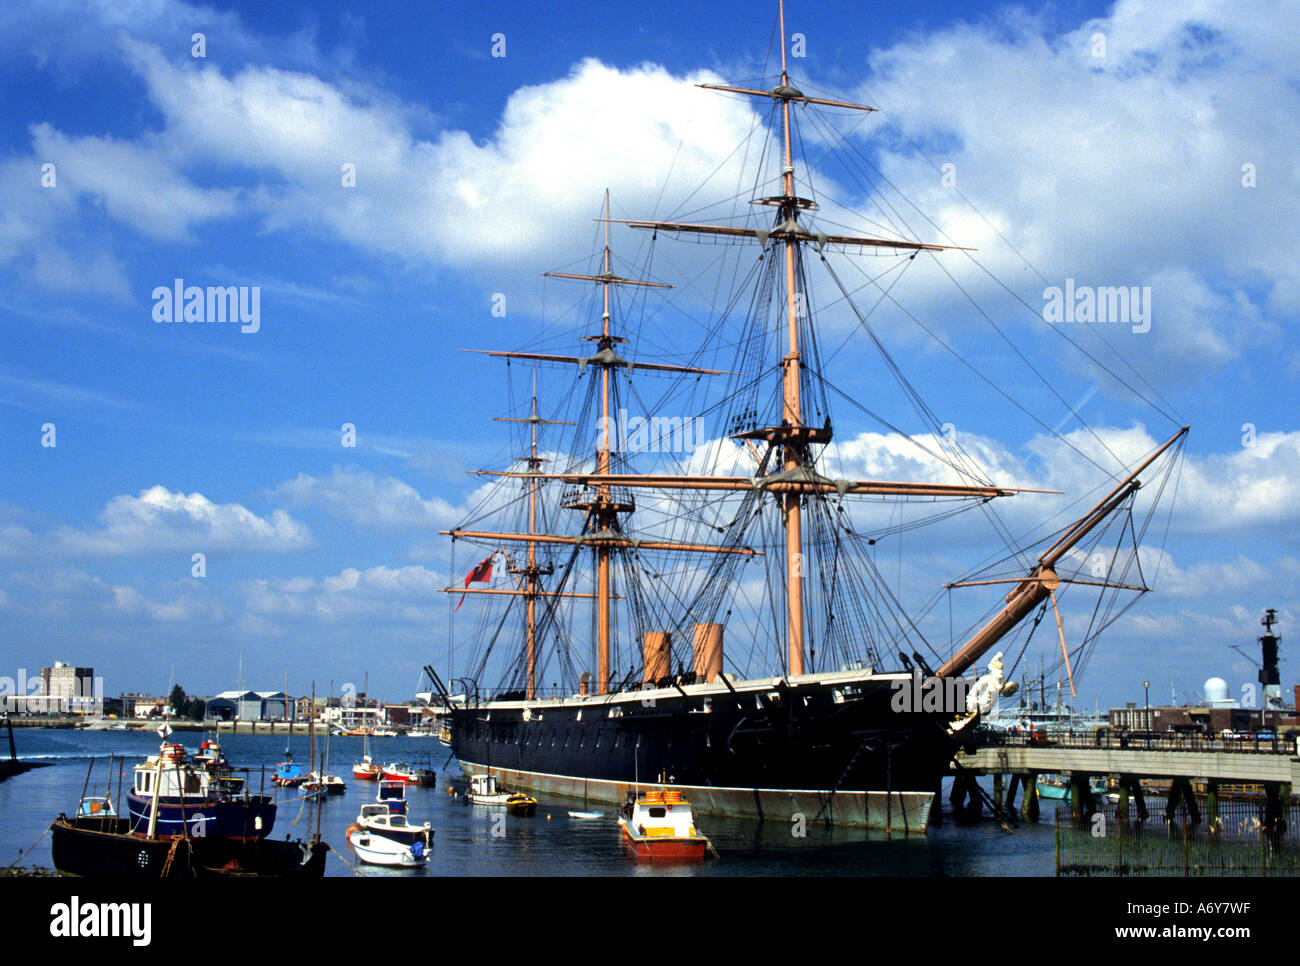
{"x": 897, "y": 811}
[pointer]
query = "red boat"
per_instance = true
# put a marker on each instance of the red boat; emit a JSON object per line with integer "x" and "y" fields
{"x": 659, "y": 827}
{"x": 410, "y": 774}
{"x": 366, "y": 770}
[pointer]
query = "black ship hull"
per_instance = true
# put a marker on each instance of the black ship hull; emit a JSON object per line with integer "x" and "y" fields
{"x": 760, "y": 742}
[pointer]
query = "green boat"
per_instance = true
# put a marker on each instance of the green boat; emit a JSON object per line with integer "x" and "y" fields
{"x": 1058, "y": 787}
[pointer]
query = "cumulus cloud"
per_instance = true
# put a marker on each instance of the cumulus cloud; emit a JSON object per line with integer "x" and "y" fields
{"x": 159, "y": 520}
{"x": 366, "y": 499}
{"x": 384, "y": 594}
{"x": 1119, "y": 169}
{"x": 514, "y": 194}
{"x": 70, "y": 595}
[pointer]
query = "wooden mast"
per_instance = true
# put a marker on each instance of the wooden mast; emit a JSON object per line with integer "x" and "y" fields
{"x": 531, "y": 571}
{"x": 604, "y": 514}
{"x": 792, "y": 436}
{"x": 531, "y": 599}
{"x": 792, "y": 412}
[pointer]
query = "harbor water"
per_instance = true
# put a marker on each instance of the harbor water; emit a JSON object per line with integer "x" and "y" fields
{"x": 477, "y": 841}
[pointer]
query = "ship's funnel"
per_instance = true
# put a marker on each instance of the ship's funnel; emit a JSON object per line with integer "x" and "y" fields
{"x": 708, "y": 652}
{"x": 658, "y": 656}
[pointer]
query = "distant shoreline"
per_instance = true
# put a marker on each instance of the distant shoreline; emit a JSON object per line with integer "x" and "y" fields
{"x": 73, "y": 723}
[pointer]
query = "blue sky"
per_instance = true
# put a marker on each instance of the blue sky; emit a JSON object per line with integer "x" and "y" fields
{"x": 474, "y": 173}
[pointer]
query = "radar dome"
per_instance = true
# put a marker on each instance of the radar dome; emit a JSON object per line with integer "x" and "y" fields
{"x": 1216, "y": 691}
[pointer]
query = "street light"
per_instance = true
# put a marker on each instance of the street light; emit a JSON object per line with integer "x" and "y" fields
{"x": 1146, "y": 687}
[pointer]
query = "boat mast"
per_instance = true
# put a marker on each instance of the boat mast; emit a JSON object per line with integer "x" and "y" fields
{"x": 792, "y": 416}
{"x": 531, "y": 599}
{"x": 600, "y": 530}
{"x": 603, "y": 511}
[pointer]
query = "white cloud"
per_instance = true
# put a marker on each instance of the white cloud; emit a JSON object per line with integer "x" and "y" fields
{"x": 159, "y": 520}
{"x": 514, "y": 194}
{"x": 383, "y": 594}
{"x": 1119, "y": 170}
{"x": 368, "y": 500}
{"x": 1217, "y": 579}
{"x": 133, "y": 181}
{"x": 72, "y": 597}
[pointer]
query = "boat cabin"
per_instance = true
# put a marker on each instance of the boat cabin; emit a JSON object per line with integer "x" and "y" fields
{"x": 663, "y": 814}
{"x": 168, "y": 775}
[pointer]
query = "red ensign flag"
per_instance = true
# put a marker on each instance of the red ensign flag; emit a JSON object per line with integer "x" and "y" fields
{"x": 480, "y": 574}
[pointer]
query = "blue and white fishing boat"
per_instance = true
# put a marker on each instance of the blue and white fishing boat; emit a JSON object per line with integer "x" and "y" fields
{"x": 172, "y": 796}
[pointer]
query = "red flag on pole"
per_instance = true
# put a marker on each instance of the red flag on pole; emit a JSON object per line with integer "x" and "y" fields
{"x": 480, "y": 574}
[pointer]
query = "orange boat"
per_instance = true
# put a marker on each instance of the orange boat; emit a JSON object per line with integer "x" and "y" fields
{"x": 659, "y": 827}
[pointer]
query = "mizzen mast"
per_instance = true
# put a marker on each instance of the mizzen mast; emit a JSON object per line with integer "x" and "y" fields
{"x": 528, "y": 575}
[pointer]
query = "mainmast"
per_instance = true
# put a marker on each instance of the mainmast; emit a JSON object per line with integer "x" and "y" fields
{"x": 792, "y": 438}
{"x": 792, "y": 415}
{"x": 604, "y": 511}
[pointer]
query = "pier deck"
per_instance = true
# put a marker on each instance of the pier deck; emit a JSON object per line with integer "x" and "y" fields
{"x": 1158, "y": 758}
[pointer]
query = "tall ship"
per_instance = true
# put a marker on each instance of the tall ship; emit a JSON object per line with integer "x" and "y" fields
{"x": 710, "y": 614}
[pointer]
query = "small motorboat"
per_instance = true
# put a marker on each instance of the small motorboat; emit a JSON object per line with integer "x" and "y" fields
{"x": 330, "y": 784}
{"x": 393, "y": 795}
{"x": 483, "y": 790}
{"x": 288, "y": 773}
{"x": 585, "y": 815}
{"x": 521, "y": 804}
{"x": 403, "y": 772}
{"x": 1058, "y": 787}
{"x": 659, "y": 827}
{"x": 379, "y": 850}
{"x": 378, "y": 820}
{"x": 210, "y": 756}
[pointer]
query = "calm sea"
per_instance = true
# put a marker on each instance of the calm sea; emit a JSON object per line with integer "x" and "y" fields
{"x": 550, "y": 843}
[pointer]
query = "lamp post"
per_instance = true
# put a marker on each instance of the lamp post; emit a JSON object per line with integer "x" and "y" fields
{"x": 1146, "y": 716}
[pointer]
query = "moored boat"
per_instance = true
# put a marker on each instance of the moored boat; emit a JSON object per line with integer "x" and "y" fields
{"x": 660, "y": 827}
{"x": 483, "y": 790}
{"x": 810, "y": 718}
{"x": 377, "y": 819}
{"x": 402, "y": 772}
{"x": 103, "y": 846}
{"x": 171, "y": 796}
{"x": 379, "y": 850}
{"x": 1057, "y": 787}
{"x": 329, "y": 784}
{"x": 366, "y": 770}
{"x": 288, "y": 773}
{"x": 392, "y": 795}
